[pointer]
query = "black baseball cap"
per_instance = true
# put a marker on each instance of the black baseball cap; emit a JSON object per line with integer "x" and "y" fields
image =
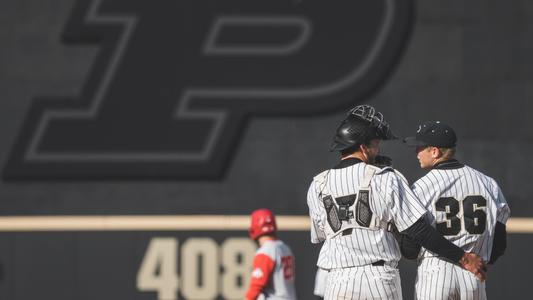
{"x": 433, "y": 133}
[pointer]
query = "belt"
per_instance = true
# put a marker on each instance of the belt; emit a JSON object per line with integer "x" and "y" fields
{"x": 389, "y": 227}
{"x": 378, "y": 263}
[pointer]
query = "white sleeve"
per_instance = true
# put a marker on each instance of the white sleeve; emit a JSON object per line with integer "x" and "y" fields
{"x": 405, "y": 208}
{"x": 316, "y": 213}
{"x": 503, "y": 212}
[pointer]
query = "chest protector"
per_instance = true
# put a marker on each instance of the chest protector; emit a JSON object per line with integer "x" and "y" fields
{"x": 348, "y": 211}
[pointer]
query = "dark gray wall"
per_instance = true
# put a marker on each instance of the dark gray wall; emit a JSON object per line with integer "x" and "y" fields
{"x": 467, "y": 63}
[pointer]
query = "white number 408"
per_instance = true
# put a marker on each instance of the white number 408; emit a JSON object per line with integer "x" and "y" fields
{"x": 201, "y": 275}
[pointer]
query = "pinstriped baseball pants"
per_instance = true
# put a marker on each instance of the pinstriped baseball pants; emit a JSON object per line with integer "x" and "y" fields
{"x": 364, "y": 282}
{"x": 438, "y": 279}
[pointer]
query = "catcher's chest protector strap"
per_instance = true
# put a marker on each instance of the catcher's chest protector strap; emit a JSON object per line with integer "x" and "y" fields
{"x": 349, "y": 211}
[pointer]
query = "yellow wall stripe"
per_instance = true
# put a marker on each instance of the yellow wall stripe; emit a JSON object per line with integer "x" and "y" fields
{"x": 520, "y": 225}
{"x": 173, "y": 223}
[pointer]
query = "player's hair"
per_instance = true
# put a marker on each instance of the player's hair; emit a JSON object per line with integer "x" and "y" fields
{"x": 447, "y": 152}
{"x": 350, "y": 150}
{"x": 354, "y": 148}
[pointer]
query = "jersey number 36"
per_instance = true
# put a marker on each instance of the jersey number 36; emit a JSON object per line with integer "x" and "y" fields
{"x": 474, "y": 217}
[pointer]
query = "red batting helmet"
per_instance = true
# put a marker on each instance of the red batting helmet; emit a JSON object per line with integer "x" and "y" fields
{"x": 263, "y": 222}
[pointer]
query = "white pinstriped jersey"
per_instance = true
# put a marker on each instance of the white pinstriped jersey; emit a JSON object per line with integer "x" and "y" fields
{"x": 391, "y": 200}
{"x": 465, "y": 205}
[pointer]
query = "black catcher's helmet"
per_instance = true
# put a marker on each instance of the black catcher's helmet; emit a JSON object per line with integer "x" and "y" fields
{"x": 362, "y": 124}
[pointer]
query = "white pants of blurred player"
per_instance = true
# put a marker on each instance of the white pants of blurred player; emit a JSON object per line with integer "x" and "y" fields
{"x": 364, "y": 282}
{"x": 438, "y": 279}
{"x": 321, "y": 278}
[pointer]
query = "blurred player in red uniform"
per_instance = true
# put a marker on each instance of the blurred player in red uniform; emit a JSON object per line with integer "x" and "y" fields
{"x": 273, "y": 270}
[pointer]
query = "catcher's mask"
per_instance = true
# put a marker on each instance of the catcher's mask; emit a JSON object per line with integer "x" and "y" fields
{"x": 362, "y": 124}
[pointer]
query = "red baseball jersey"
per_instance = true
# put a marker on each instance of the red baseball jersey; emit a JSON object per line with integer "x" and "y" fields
{"x": 273, "y": 272}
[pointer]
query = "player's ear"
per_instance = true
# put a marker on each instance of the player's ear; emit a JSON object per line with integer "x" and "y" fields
{"x": 435, "y": 152}
{"x": 364, "y": 150}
